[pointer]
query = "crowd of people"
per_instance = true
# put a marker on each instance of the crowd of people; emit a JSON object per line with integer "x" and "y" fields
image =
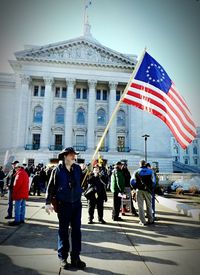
{"x": 65, "y": 184}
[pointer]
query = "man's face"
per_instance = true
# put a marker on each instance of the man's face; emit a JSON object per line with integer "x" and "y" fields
{"x": 96, "y": 170}
{"x": 71, "y": 157}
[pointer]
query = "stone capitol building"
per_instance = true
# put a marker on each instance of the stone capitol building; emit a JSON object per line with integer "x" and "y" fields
{"x": 63, "y": 94}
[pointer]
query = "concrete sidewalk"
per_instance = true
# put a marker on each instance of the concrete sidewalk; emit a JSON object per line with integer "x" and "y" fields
{"x": 171, "y": 246}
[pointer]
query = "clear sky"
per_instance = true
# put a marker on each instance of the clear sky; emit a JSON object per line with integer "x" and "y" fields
{"x": 168, "y": 28}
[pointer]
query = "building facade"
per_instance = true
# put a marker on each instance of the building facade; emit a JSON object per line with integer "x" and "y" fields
{"x": 63, "y": 94}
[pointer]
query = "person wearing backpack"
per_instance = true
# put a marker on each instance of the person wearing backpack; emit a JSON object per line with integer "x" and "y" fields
{"x": 143, "y": 185}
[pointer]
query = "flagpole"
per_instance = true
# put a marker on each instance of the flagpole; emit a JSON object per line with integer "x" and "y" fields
{"x": 116, "y": 109}
{"x": 119, "y": 103}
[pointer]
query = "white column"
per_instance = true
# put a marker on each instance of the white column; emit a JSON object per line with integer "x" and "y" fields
{"x": 47, "y": 114}
{"x": 91, "y": 115}
{"x": 69, "y": 113}
{"x": 112, "y": 130}
{"x": 24, "y": 94}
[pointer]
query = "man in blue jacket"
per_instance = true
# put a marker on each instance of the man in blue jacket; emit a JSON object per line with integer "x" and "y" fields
{"x": 143, "y": 183}
{"x": 65, "y": 186}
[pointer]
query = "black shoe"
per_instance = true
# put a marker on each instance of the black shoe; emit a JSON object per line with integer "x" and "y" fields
{"x": 8, "y": 217}
{"x": 102, "y": 222}
{"x": 90, "y": 222}
{"x": 14, "y": 223}
{"x": 78, "y": 264}
{"x": 118, "y": 219}
{"x": 64, "y": 264}
{"x": 22, "y": 221}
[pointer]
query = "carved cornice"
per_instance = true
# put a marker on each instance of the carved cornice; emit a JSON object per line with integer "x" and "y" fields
{"x": 35, "y": 128}
{"x": 70, "y": 82}
{"x": 80, "y": 129}
{"x": 79, "y": 51}
{"x": 25, "y": 79}
{"x": 48, "y": 80}
{"x": 113, "y": 85}
{"x": 92, "y": 84}
{"x": 57, "y": 129}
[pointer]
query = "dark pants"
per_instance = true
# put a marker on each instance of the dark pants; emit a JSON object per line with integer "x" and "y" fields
{"x": 10, "y": 203}
{"x": 1, "y": 187}
{"x": 36, "y": 188}
{"x": 153, "y": 203}
{"x": 116, "y": 205}
{"x": 69, "y": 214}
{"x": 91, "y": 206}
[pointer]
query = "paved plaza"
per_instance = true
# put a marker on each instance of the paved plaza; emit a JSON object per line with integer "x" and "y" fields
{"x": 170, "y": 246}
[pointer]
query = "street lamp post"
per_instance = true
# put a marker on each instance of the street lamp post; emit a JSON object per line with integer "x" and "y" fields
{"x": 145, "y": 146}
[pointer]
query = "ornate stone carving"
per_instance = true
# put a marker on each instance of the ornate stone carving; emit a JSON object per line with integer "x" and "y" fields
{"x": 113, "y": 85}
{"x": 48, "y": 80}
{"x": 25, "y": 79}
{"x": 80, "y": 51}
{"x": 92, "y": 84}
{"x": 70, "y": 82}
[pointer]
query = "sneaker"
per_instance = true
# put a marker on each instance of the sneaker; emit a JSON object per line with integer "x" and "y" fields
{"x": 102, "y": 222}
{"x": 64, "y": 264}
{"x": 14, "y": 223}
{"x": 8, "y": 217}
{"x": 142, "y": 224}
{"x": 78, "y": 264}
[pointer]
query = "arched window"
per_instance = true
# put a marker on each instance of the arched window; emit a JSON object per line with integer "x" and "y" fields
{"x": 101, "y": 117}
{"x": 59, "y": 118}
{"x": 80, "y": 116}
{"x": 195, "y": 150}
{"x": 121, "y": 118}
{"x": 37, "y": 114}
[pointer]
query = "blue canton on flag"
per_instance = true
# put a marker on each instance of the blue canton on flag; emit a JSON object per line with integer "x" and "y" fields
{"x": 153, "y": 73}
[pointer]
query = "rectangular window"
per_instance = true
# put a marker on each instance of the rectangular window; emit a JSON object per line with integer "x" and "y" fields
{"x": 84, "y": 93}
{"x": 42, "y": 91}
{"x": 78, "y": 93}
{"x": 104, "y": 94}
{"x": 121, "y": 143}
{"x": 36, "y": 141}
{"x": 36, "y": 91}
{"x": 79, "y": 140}
{"x": 57, "y": 92}
{"x": 195, "y": 161}
{"x": 58, "y": 139}
{"x": 64, "y": 92}
{"x": 98, "y": 95}
{"x": 186, "y": 161}
{"x": 118, "y": 94}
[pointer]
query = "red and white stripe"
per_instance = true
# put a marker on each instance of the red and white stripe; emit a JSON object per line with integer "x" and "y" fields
{"x": 170, "y": 107}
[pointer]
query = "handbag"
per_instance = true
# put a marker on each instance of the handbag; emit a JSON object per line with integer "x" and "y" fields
{"x": 89, "y": 193}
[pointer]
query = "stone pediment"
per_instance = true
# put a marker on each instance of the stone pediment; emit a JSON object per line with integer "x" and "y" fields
{"x": 78, "y": 51}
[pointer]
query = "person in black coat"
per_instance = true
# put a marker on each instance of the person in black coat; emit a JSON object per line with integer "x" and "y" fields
{"x": 97, "y": 197}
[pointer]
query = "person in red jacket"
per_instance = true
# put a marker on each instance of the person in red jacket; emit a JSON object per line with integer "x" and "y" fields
{"x": 20, "y": 194}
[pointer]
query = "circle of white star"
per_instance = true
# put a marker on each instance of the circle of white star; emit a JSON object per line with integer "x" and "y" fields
{"x": 148, "y": 73}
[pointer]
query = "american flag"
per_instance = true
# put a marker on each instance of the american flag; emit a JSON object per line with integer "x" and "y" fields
{"x": 153, "y": 91}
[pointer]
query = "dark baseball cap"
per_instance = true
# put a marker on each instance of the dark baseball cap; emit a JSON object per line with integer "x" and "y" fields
{"x": 15, "y": 162}
{"x": 66, "y": 151}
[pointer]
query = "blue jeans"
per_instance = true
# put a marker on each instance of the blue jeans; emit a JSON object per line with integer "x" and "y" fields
{"x": 20, "y": 208}
{"x": 69, "y": 214}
